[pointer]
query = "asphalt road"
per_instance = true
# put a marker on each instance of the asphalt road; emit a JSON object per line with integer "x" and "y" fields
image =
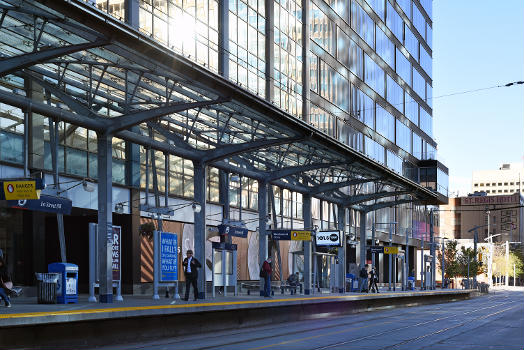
{"x": 494, "y": 321}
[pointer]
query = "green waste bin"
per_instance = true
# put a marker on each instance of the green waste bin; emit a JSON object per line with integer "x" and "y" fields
{"x": 46, "y": 284}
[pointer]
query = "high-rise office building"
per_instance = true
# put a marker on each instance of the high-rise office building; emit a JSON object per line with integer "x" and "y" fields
{"x": 324, "y": 105}
{"x": 509, "y": 178}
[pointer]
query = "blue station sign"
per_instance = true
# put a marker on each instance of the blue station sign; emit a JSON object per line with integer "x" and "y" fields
{"x": 48, "y": 204}
{"x": 168, "y": 257}
{"x": 230, "y": 230}
{"x": 281, "y": 235}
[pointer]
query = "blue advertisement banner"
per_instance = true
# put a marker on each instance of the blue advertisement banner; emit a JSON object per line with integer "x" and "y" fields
{"x": 48, "y": 204}
{"x": 232, "y": 230}
{"x": 168, "y": 257}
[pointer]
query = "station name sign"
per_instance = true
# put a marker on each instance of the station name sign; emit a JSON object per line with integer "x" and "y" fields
{"x": 328, "y": 238}
{"x": 232, "y": 230}
{"x": 290, "y": 235}
{"x": 378, "y": 249}
{"x": 48, "y": 204}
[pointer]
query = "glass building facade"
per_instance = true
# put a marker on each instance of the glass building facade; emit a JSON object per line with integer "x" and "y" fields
{"x": 369, "y": 85}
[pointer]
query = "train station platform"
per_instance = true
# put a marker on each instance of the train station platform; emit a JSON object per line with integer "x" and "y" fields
{"x": 28, "y": 324}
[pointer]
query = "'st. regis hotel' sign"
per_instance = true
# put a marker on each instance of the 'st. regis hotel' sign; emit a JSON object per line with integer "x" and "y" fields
{"x": 514, "y": 198}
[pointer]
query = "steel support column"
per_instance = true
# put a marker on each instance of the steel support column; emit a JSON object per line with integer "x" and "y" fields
{"x": 422, "y": 265}
{"x": 105, "y": 217}
{"x": 390, "y": 258}
{"x": 262, "y": 232}
{"x": 342, "y": 250}
{"x": 362, "y": 238}
{"x": 270, "y": 49}
{"x": 432, "y": 248}
{"x": 132, "y": 13}
{"x": 200, "y": 225}
{"x": 223, "y": 195}
{"x": 406, "y": 261}
{"x": 308, "y": 224}
{"x": 306, "y": 94}
{"x": 373, "y": 234}
{"x": 223, "y": 38}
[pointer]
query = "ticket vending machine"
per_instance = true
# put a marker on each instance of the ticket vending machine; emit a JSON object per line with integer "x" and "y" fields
{"x": 224, "y": 262}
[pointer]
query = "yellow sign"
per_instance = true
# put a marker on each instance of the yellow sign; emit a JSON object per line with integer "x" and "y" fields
{"x": 16, "y": 190}
{"x": 300, "y": 235}
{"x": 390, "y": 250}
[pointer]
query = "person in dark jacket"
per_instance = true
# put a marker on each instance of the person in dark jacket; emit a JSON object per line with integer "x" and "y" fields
{"x": 191, "y": 265}
{"x": 4, "y": 277}
{"x": 363, "y": 279}
{"x": 266, "y": 267}
{"x": 373, "y": 278}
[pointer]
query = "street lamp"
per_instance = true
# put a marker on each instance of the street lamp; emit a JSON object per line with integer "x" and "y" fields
{"x": 490, "y": 258}
{"x": 443, "y": 263}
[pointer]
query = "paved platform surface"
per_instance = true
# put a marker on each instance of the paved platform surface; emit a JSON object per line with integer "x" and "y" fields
{"x": 494, "y": 321}
{"x": 26, "y": 310}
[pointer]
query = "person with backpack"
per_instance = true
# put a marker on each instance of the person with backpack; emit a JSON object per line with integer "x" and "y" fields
{"x": 363, "y": 279}
{"x": 265, "y": 273}
{"x": 5, "y": 283}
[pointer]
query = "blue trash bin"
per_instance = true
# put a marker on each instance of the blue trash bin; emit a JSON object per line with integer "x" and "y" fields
{"x": 351, "y": 282}
{"x": 67, "y": 286}
{"x": 411, "y": 283}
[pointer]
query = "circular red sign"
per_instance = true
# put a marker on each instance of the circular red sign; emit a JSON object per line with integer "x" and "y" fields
{"x": 10, "y": 188}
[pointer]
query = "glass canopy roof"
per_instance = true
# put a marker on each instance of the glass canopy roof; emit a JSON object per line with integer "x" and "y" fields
{"x": 100, "y": 74}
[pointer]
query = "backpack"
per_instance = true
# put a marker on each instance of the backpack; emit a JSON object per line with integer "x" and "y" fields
{"x": 262, "y": 273}
{"x": 363, "y": 273}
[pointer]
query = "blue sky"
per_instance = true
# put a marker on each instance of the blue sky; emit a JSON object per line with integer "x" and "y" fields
{"x": 477, "y": 44}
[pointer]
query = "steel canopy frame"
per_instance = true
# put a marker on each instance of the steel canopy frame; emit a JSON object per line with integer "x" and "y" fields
{"x": 152, "y": 83}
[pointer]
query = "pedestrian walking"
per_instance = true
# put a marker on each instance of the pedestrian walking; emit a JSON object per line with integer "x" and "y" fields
{"x": 191, "y": 265}
{"x": 266, "y": 272}
{"x": 5, "y": 283}
{"x": 363, "y": 276}
{"x": 373, "y": 279}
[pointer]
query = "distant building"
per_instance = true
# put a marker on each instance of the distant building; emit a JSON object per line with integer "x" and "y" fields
{"x": 506, "y": 216}
{"x": 509, "y": 178}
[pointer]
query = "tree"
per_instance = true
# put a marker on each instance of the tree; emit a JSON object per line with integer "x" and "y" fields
{"x": 450, "y": 255}
{"x": 466, "y": 263}
{"x": 499, "y": 262}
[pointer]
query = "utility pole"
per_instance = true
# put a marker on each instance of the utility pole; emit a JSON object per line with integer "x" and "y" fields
{"x": 490, "y": 259}
{"x": 443, "y": 267}
{"x": 506, "y": 282}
